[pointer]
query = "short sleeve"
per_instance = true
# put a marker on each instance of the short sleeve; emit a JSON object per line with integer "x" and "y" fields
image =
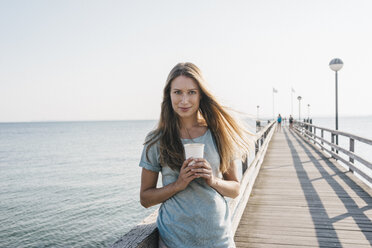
{"x": 152, "y": 163}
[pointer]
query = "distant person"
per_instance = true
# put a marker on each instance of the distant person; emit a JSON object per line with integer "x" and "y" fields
{"x": 290, "y": 122}
{"x": 279, "y": 120}
{"x": 193, "y": 211}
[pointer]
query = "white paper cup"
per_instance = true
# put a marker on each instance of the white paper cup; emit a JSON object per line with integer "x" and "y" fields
{"x": 195, "y": 150}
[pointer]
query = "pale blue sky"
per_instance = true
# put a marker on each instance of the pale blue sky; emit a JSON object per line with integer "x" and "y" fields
{"x": 99, "y": 60}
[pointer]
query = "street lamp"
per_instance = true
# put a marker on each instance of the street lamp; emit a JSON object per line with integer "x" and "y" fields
{"x": 336, "y": 65}
{"x": 308, "y": 112}
{"x": 258, "y": 123}
{"x": 299, "y": 107}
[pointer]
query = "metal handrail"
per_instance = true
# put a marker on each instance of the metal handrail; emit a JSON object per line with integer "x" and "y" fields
{"x": 336, "y": 132}
{"x": 309, "y": 131}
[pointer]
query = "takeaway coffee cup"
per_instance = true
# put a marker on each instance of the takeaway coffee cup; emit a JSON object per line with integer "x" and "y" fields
{"x": 195, "y": 150}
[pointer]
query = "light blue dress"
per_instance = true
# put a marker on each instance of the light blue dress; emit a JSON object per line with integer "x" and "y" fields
{"x": 197, "y": 216}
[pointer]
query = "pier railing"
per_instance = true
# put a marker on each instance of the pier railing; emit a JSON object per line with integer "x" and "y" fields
{"x": 309, "y": 131}
{"x": 146, "y": 233}
{"x": 250, "y": 172}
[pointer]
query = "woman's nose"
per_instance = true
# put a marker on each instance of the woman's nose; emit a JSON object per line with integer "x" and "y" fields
{"x": 185, "y": 98}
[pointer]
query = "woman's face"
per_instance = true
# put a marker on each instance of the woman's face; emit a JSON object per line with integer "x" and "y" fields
{"x": 185, "y": 96}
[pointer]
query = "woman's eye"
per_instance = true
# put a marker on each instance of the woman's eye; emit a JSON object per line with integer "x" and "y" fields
{"x": 177, "y": 92}
{"x": 192, "y": 92}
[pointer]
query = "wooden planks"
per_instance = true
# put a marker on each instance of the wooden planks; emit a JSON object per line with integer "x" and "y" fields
{"x": 302, "y": 198}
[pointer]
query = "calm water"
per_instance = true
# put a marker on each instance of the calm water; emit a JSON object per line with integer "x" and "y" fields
{"x": 69, "y": 183}
{"x": 76, "y": 184}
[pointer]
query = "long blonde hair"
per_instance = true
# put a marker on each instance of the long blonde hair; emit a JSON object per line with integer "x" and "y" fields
{"x": 230, "y": 136}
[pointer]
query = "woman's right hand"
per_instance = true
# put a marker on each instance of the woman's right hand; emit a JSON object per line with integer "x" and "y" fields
{"x": 185, "y": 176}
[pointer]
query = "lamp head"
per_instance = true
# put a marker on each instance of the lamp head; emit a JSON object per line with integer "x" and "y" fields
{"x": 336, "y": 64}
{"x": 299, "y": 98}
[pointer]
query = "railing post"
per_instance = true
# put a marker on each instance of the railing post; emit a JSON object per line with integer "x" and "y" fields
{"x": 322, "y": 135}
{"x": 256, "y": 146}
{"x": 351, "y": 146}
{"x": 332, "y": 141}
{"x": 245, "y": 164}
{"x": 303, "y": 128}
{"x": 314, "y": 135}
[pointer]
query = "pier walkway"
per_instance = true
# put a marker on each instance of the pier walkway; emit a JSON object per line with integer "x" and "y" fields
{"x": 294, "y": 193}
{"x": 304, "y": 198}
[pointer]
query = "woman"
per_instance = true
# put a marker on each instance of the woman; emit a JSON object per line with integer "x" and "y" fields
{"x": 279, "y": 120}
{"x": 193, "y": 211}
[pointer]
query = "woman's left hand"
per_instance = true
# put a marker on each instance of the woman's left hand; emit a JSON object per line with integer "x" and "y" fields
{"x": 203, "y": 169}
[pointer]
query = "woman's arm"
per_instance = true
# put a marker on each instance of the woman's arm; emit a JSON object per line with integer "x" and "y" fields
{"x": 228, "y": 186}
{"x": 150, "y": 195}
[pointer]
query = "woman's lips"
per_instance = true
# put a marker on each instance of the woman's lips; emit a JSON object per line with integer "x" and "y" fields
{"x": 184, "y": 109}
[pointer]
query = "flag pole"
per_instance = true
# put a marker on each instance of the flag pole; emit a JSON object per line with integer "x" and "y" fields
{"x": 292, "y": 101}
{"x": 273, "y": 106}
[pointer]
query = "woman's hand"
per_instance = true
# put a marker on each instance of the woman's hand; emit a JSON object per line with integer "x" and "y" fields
{"x": 228, "y": 186}
{"x": 203, "y": 169}
{"x": 185, "y": 176}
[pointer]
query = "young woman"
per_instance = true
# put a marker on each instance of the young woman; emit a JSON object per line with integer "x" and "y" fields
{"x": 279, "y": 120}
{"x": 193, "y": 211}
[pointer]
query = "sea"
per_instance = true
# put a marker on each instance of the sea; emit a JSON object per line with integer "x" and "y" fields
{"x": 76, "y": 184}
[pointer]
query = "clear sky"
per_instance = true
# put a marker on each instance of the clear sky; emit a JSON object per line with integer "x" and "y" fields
{"x": 108, "y": 60}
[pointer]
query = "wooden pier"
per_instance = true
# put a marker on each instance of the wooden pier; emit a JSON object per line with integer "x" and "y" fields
{"x": 304, "y": 198}
{"x": 293, "y": 194}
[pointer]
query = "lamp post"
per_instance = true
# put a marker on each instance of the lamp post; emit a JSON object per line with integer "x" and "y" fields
{"x": 274, "y": 91}
{"x": 308, "y": 112}
{"x": 336, "y": 65}
{"x": 258, "y": 123}
{"x": 299, "y": 107}
{"x": 292, "y": 91}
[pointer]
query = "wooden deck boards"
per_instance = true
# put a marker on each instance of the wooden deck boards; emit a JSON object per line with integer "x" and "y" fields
{"x": 303, "y": 198}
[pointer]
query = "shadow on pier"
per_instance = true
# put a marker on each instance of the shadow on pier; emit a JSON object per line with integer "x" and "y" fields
{"x": 304, "y": 198}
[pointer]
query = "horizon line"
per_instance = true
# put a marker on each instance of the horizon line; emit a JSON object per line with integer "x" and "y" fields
{"x": 107, "y": 120}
